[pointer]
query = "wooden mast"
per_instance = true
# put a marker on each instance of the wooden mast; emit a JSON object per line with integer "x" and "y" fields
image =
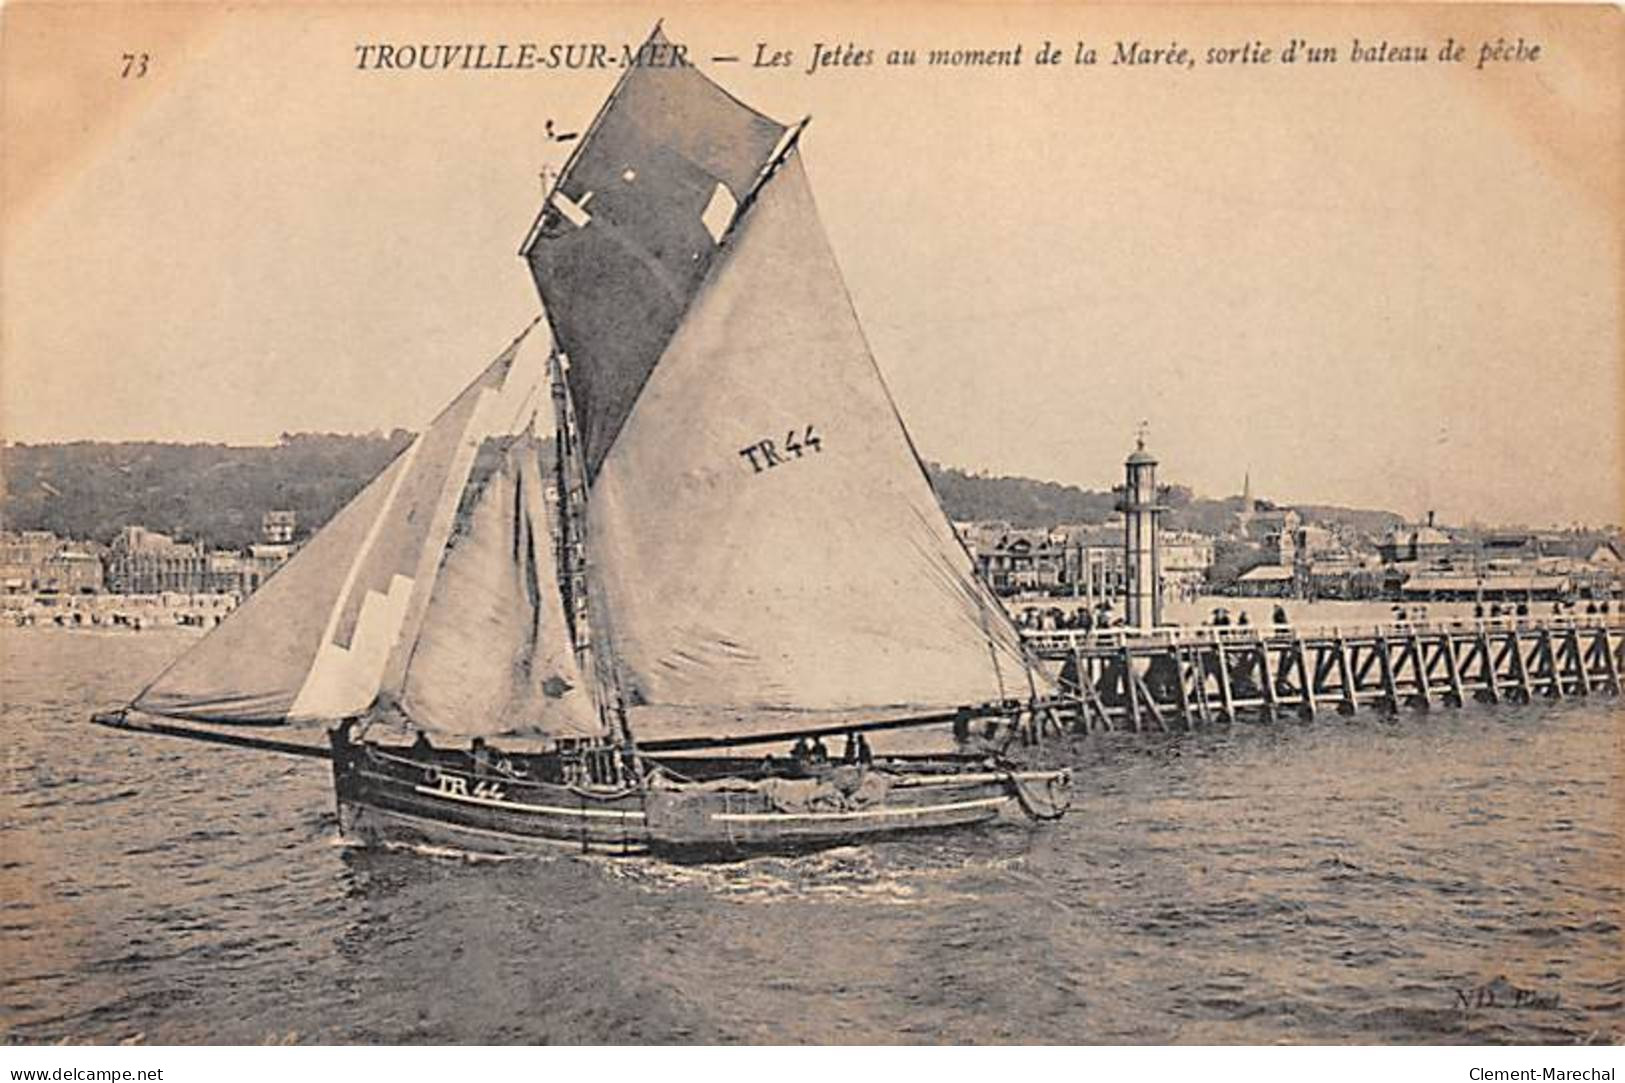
{"x": 572, "y": 563}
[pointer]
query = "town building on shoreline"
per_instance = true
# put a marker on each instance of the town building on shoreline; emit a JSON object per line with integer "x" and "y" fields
{"x": 1079, "y": 561}
{"x": 38, "y": 563}
{"x": 231, "y": 571}
{"x": 144, "y": 561}
{"x": 1277, "y": 552}
{"x": 1430, "y": 562}
{"x": 277, "y": 527}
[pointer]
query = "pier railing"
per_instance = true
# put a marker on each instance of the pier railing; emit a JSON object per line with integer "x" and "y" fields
{"x": 1059, "y": 641}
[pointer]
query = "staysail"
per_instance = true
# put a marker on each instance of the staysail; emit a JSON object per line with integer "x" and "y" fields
{"x": 494, "y": 655}
{"x": 766, "y": 551}
{"x": 339, "y": 627}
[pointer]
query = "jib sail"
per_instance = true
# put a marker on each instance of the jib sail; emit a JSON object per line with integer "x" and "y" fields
{"x": 360, "y": 614}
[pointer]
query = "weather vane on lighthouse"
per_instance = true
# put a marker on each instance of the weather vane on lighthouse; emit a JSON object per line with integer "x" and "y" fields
{"x": 1141, "y": 432}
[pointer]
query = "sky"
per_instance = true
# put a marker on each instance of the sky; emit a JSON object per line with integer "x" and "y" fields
{"x": 1377, "y": 284}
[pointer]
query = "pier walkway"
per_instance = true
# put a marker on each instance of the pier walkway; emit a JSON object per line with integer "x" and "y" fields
{"x": 1186, "y": 676}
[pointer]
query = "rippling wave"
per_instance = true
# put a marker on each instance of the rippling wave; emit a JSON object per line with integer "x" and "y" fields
{"x": 1454, "y": 877}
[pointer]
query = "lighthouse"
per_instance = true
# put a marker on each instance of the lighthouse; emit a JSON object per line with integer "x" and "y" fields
{"x": 1142, "y": 557}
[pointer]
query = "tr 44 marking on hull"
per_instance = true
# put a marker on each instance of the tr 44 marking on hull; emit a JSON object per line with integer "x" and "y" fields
{"x": 458, "y": 786}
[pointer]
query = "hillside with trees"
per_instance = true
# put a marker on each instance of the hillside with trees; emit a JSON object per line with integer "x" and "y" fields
{"x": 211, "y": 492}
{"x": 218, "y": 493}
{"x": 1021, "y": 502}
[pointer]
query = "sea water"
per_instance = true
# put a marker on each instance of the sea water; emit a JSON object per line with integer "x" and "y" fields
{"x": 1450, "y": 877}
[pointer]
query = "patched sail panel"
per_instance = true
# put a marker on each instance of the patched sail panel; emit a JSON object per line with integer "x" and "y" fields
{"x": 630, "y": 232}
{"x": 334, "y": 626}
{"x": 494, "y": 655}
{"x": 765, "y": 544}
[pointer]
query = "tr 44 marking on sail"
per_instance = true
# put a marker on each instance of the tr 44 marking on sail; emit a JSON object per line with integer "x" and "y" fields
{"x": 763, "y": 455}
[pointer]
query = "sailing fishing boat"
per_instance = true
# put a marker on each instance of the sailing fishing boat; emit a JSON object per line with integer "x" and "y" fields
{"x": 730, "y": 545}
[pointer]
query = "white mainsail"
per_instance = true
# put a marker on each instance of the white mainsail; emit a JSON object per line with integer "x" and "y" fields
{"x": 765, "y": 543}
{"x": 362, "y": 615}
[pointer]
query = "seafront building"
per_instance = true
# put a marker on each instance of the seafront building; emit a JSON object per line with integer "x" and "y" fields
{"x": 39, "y": 562}
{"x": 39, "y": 565}
{"x": 143, "y": 561}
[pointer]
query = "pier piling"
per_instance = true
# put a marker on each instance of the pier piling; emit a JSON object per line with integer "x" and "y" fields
{"x": 1185, "y": 677}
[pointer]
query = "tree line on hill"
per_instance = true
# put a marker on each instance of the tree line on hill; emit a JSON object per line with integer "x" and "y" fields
{"x": 1030, "y": 504}
{"x": 218, "y": 493}
{"x": 210, "y": 492}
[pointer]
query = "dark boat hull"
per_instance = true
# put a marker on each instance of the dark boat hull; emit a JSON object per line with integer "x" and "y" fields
{"x": 398, "y": 796}
{"x": 403, "y": 796}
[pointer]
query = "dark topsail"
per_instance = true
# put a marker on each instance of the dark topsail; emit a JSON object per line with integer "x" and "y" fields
{"x": 658, "y": 177}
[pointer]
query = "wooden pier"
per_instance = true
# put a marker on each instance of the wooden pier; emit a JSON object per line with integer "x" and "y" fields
{"x": 1184, "y": 677}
